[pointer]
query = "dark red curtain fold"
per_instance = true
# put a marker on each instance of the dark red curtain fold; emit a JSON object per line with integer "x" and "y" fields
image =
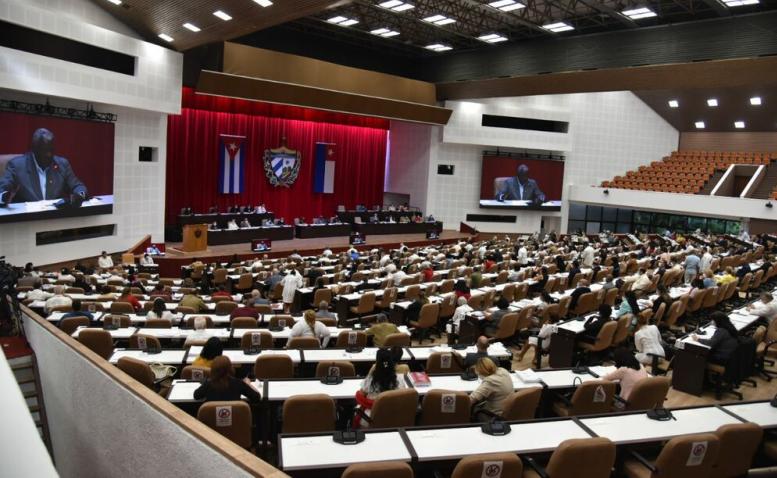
{"x": 192, "y": 163}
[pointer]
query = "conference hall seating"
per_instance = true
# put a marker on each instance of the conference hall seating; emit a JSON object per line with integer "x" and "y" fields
{"x": 685, "y": 171}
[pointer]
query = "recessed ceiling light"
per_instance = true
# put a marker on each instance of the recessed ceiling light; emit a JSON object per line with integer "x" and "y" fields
{"x": 438, "y": 47}
{"x": 222, "y": 15}
{"x": 755, "y": 101}
{"x": 558, "y": 27}
{"x": 674, "y": 104}
{"x": 343, "y": 21}
{"x": 264, "y": 3}
{"x": 385, "y": 32}
{"x": 349, "y": 22}
{"x": 165, "y": 37}
{"x": 739, "y": 124}
{"x": 638, "y": 13}
{"x": 396, "y": 5}
{"x": 492, "y": 38}
{"x": 699, "y": 125}
{"x": 439, "y": 20}
{"x": 739, "y": 3}
{"x": 192, "y": 27}
{"x": 506, "y": 5}
{"x": 712, "y": 102}
{"x": 115, "y": 2}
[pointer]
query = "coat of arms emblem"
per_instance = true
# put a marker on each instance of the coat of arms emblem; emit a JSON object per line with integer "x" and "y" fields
{"x": 281, "y": 165}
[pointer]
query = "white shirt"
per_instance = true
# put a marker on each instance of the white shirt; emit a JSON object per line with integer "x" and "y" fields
{"x": 768, "y": 311}
{"x": 105, "y": 262}
{"x": 37, "y": 294}
{"x": 523, "y": 256}
{"x": 706, "y": 261}
{"x": 232, "y": 225}
{"x": 57, "y": 301}
{"x": 320, "y": 331}
{"x": 588, "y": 256}
{"x": 397, "y": 277}
{"x": 147, "y": 260}
{"x": 648, "y": 341}
{"x": 385, "y": 260}
{"x": 460, "y": 313}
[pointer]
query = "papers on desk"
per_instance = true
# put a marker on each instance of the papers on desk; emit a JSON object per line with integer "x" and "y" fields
{"x": 528, "y": 376}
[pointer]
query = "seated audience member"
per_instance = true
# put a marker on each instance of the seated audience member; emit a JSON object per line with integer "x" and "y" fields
{"x": 221, "y": 292}
{"x": 194, "y": 301}
{"x": 104, "y": 261}
{"x": 258, "y": 299}
{"x": 475, "y": 279}
{"x": 582, "y": 288}
{"x": 643, "y": 282}
{"x": 201, "y": 335}
{"x": 459, "y": 314}
{"x": 427, "y": 272}
{"x": 77, "y": 312}
{"x": 232, "y": 225}
{"x": 310, "y": 327}
{"x": 106, "y": 294}
{"x": 648, "y": 342}
{"x": 126, "y": 296}
{"x": 608, "y": 283}
{"x": 222, "y": 385}
{"x": 398, "y": 276}
{"x": 765, "y": 307}
{"x": 159, "y": 310}
{"x": 212, "y": 349}
{"x": 540, "y": 278}
{"x": 481, "y": 350}
{"x": 382, "y": 378}
{"x": 83, "y": 284}
{"x": 66, "y": 276}
{"x": 245, "y": 309}
{"x": 492, "y": 322}
{"x": 495, "y": 386}
{"x": 629, "y": 371}
{"x": 575, "y": 270}
{"x": 382, "y": 329}
{"x": 40, "y": 294}
{"x": 260, "y": 209}
{"x": 727, "y": 277}
{"x": 663, "y": 298}
{"x": 709, "y": 279}
{"x": 461, "y": 289}
{"x": 594, "y": 324}
{"x": 544, "y": 335}
{"x": 323, "y": 311}
{"x": 414, "y": 309}
{"x": 146, "y": 260}
{"x": 723, "y": 342}
{"x": 159, "y": 291}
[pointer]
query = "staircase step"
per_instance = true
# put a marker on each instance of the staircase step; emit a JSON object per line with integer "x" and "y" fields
{"x": 30, "y": 394}
{"x": 28, "y": 380}
{"x": 34, "y": 408}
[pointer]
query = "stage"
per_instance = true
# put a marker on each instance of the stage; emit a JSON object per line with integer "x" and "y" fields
{"x": 170, "y": 265}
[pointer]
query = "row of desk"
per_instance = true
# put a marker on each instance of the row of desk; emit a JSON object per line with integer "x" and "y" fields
{"x": 447, "y": 444}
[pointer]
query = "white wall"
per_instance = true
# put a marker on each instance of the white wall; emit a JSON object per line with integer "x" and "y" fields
{"x": 407, "y": 168}
{"x": 609, "y": 134}
{"x": 141, "y": 103}
{"x": 98, "y": 429}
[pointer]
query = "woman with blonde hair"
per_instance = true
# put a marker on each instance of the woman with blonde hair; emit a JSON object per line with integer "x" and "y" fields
{"x": 310, "y": 327}
{"x": 496, "y": 385}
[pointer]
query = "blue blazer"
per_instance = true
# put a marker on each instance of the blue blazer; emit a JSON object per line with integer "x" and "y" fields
{"x": 21, "y": 180}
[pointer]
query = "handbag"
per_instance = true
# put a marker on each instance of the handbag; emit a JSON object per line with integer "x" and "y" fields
{"x": 162, "y": 371}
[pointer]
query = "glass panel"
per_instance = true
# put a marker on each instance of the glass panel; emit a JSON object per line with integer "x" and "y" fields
{"x": 733, "y": 227}
{"x": 623, "y": 228}
{"x": 697, "y": 223}
{"x": 661, "y": 220}
{"x": 609, "y": 214}
{"x": 574, "y": 226}
{"x": 678, "y": 223}
{"x": 641, "y": 217}
{"x": 577, "y": 211}
{"x": 594, "y": 213}
{"x": 641, "y": 228}
{"x": 608, "y": 226}
{"x": 624, "y": 215}
{"x": 716, "y": 226}
{"x": 592, "y": 227}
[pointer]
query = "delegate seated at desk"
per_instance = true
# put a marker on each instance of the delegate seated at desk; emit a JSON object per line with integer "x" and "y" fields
{"x": 520, "y": 187}
{"x": 39, "y": 174}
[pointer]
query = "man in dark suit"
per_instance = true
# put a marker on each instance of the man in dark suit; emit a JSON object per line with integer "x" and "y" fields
{"x": 521, "y": 188}
{"x": 39, "y": 175}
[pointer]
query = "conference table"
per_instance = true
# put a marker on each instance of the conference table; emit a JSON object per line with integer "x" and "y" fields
{"x": 397, "y": 228}
{"x": 222, "y": 218}
{"x": 350, "y": 216}
{"x": 46, "y": 210}
{"x": 247, "y": 234}
{"x": 306, "y": 231}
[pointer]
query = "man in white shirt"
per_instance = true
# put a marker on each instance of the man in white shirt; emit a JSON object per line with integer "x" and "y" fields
{"x": 58, "y": 299}
{"x": 766, "y": 307}
{"x": 397, "y": 277}
{"x": 643, "y": 283}
{"x": 523, "y": 255}
{"x": 384, "y": 260}
{"x": 458, "y": 315}
{"x": 146, "y": 260}
{"x": 104, "y": 261}
{"x": 706, "y": 260}
{"x": 588, "y": 256}
{"x": 232, "y": 225}
{"x": 38, "y": 294}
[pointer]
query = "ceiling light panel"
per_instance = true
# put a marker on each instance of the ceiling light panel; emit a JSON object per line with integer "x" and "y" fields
{"x": 439, "y": 20}
{"x": 739, "y": 3}
{"x": 674, "y": 104}
{"x": 639, "y": 13}
{"x": 343, "y": 21}
{"x": 385, "y": 32}
{"x": 165, "y": 37}
{"x": 712, "y": 102}
{"x": 438, "y": 47}
{"x": 191, "y": 27}
{"x": 263, "y": 3}
{"x": 222, "y": 15}
{"x": 755, "y": 101}
{"x": 558, "y": 27}
{"x": 506, "y": 5}
{"x": 699, "y": 125}
{"x": 396, "y": 5}
{"x": 492, "y": 38}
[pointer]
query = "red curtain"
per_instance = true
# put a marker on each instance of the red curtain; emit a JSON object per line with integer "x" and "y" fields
{"x": 192, "y": 163}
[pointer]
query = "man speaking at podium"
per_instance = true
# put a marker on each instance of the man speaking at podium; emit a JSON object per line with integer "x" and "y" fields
{"x": 521, "y": 188}
{"x": 39, "y": 175}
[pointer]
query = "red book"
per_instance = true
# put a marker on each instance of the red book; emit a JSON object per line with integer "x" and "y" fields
{"x": 420, "y": 379}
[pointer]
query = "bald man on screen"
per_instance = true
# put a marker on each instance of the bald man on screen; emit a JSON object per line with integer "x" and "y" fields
{"x": 521, "y": 187}
{"x": 39, "y": 174}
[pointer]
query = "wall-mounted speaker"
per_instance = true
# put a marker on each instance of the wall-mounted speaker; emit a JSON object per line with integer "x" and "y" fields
{"x": 146, "y": 154}
{"x": 446, "y": 169}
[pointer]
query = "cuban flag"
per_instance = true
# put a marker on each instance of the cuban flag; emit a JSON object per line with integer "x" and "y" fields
{"x": 324, "y": 175}
{"x": 231, "y": 164}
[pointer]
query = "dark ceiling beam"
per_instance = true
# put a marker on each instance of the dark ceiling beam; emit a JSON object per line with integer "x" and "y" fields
{"x": 718, "y": 7}
{"x": 615, "y": 15}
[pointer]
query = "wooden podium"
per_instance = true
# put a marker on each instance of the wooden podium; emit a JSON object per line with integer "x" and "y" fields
{"x": 195, "y": 237}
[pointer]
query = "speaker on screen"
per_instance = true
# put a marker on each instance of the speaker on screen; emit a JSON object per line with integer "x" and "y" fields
{"x": 446, "y": 169}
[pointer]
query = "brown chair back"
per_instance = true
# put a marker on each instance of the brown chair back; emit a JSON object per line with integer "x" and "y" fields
{"x": 389, "y": 296}
{"x": 585, "y": 303}
{"x": 70, "y": 324}
{"x": 263, "y": 308}
{"x": 120, "y": 321}
{"x": 622, "y": 329}
{"x": 381, "y": 469}
{"x": 351, "y": 338}
{"x": 122, "y": 308}
{"x": 412, "y": 292}
{"x": 395, "y": 409}
{"x": 507, "y": 326}
{"x": 428, "y": 316}
{"x": 137, "y": 369}
{"x": 738, "y": 445}
{"x": 225, "y": 307}
{"x": 444, "y": 362}
{"x": 399, "y": 339}
{"x": 159, "y": 324}
{"x": 444, "y": 407}
{"x": 231, "y": 419}
{"x": 504, "y": 465}
{"x": 264, "y": 338}
{"x": 674, "y": 462}
{"x": 649, "y": 393}
{"x": 322, "y": 295}
{"x": 338, "y": 368}
{"x": 610, "y": 296}
{"x": 606, "y": 334}
{"x": 301, "y": 343}
{"x": 190, "y": 321}
{"x": 273, "y": 366}
{"x": 589, "y": 457}
{"x": 522, "y": 405}
{"x": 98, "y": 341}
{"x": 275, "y": 321}
{"x": 243, "y": 323}
{"x": 309, "y": 414}
{"x": 191, "y": 372}
{"x": 587, "y": 399}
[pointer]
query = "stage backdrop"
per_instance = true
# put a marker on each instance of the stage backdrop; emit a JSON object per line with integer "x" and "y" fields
{"x": 193, "y": 160}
